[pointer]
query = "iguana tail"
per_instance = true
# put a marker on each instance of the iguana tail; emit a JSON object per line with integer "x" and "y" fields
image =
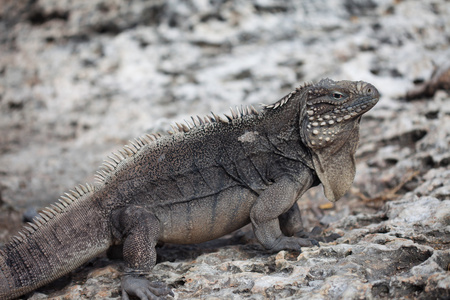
{"x": 66, "y": 235}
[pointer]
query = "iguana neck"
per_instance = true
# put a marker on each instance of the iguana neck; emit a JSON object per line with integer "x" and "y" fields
{"x": 282, "y": 125}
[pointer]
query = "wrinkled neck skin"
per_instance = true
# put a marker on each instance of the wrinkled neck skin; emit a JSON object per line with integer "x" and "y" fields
{"x": 282, "y": 130}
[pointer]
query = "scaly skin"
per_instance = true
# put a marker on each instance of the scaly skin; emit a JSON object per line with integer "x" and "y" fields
{"x": 213, "y": 174}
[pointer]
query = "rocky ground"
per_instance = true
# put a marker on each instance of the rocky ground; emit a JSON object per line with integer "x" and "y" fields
{"x": 80, "y": 78}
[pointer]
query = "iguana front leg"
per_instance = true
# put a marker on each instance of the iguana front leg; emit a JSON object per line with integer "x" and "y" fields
{"x": 139, "y": 231}
{"x": 275, "y": 201}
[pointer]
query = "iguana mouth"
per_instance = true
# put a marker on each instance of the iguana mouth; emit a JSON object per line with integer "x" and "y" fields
{"x": 327, "y": 116}
{"x": 321, "y": 107}
{"x": 356, "y": 108}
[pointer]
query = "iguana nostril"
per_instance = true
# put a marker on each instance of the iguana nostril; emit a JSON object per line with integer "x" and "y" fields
{"x": 373, "y": 91}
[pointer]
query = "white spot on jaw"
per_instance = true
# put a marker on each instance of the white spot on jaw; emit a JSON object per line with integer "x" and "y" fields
{"x": 248, "y": 137}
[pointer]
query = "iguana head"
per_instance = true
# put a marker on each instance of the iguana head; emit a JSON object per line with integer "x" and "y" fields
{"x": 329, "y": 127}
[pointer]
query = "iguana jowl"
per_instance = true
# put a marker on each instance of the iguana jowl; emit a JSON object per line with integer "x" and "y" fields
{"x": 198, "y": 183}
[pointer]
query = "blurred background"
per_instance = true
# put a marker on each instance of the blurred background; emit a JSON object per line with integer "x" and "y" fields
{"x": 78, "y": 79}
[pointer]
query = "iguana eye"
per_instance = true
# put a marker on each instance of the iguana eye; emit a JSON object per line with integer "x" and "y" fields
{"x": 337, "y": 95}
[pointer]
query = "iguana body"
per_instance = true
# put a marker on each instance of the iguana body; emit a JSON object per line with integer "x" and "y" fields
{"x": 196, "y": 184}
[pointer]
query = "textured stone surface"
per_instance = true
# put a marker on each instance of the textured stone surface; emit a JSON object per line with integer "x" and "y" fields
{"x": 80, "y": 78}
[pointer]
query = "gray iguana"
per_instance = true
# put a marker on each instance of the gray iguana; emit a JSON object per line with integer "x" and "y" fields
{"x": 200, "y": 182}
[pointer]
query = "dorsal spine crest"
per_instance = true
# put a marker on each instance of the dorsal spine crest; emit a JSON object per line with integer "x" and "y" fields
{"x": 50, "y": 212}
{"x": 286, "y": 98}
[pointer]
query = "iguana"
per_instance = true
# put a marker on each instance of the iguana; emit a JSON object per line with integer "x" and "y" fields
{"x": 200, "y": 182}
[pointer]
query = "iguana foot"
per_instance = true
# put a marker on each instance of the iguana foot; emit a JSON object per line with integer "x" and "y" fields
{"x": 143, "y": 289}
{"x": 293, "y": 243}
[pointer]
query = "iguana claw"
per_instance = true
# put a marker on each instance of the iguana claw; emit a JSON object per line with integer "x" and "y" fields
{"x": 143, "y": 289}
{"x": 293, "y": 244}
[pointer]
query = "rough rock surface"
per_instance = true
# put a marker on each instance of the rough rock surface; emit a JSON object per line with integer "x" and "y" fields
{"x": 80, "y": 78}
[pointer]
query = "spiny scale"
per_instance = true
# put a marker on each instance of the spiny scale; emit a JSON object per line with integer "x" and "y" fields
{"x": 285, "y": 99}
{"x": 50, "y": 212}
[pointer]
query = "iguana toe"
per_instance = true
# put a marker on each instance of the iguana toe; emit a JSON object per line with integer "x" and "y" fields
{"x": 314, "y": 242}
{"x": 316, "y": 236}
